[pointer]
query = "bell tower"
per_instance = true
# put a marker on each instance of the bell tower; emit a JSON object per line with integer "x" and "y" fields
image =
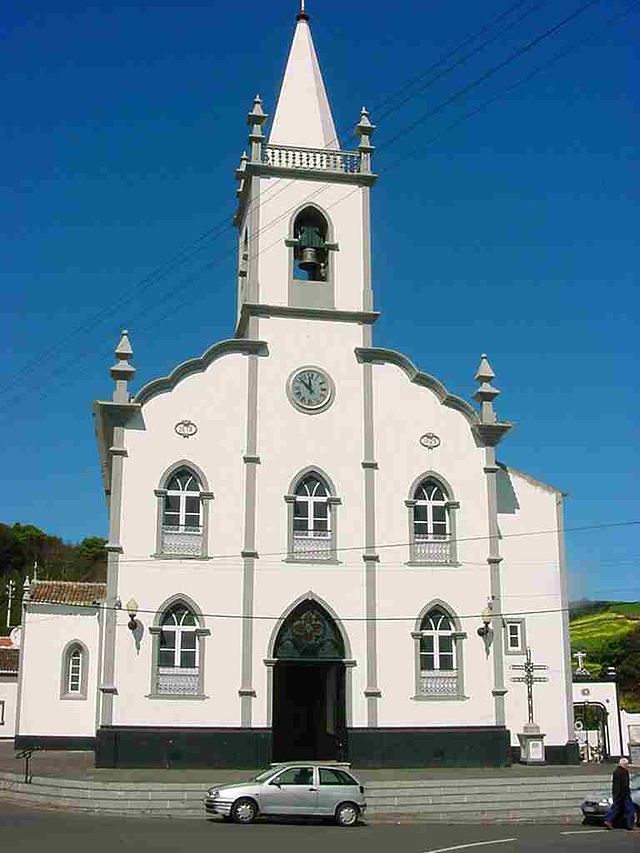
{"x": 303, "y": 203}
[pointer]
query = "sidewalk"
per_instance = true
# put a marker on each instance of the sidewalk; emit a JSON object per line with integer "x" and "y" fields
{"x": 79, "y": 765}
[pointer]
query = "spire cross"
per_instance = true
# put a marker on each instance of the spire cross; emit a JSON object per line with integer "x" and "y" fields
{"x": 302, "y": 14}
{"x": 529, "y": 678}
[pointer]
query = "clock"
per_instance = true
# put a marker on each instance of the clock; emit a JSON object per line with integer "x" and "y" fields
{"x": 310, "y": 389}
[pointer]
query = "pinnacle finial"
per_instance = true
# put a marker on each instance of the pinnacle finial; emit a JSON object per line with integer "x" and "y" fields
{"x": 486, "y": 393}
{"x": 122, "y": 371}
{"x": 302, "y": 14}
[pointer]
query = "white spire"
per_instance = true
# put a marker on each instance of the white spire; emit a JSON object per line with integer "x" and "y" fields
{"x": 303, "y": 115}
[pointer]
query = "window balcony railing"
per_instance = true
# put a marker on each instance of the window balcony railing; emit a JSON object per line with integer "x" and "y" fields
{"x": 439, "y": 683}
{"x": 315, "y": 159}
{"x": 182, "y": 541}
{"x": 177, "y": 681}
{"x": 312, "y": 545}
{"x": 431, "y": 549}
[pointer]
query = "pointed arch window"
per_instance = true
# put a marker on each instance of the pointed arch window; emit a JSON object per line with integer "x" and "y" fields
{"x": 178, "y": 652}
{"x": 431, "y": 523}
{"x": 438, "y": 652}
{"x": 75, "y": 661}
{"x": 182, "y": 514}
{"x": 312, "y": 519}
{"x": 310, "y": 248}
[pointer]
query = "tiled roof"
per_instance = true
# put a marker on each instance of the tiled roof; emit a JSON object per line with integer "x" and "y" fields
{"x": 7, "y": 642}
{"x": 67, "y": 592}
{"x": 9, "y": 661}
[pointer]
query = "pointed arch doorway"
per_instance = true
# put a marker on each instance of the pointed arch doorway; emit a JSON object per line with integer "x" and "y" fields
{"x": 309, "y": 687}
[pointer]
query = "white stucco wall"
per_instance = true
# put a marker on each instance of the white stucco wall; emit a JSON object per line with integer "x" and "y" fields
{"x": 47, "y": 630}
{"x": 289, "y": 441}
{"x": 8, "y": 698}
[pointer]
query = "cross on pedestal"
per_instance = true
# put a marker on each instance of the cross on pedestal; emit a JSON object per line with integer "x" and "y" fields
{"x": 529, "y": 678}
{"x": 581, "y": 668}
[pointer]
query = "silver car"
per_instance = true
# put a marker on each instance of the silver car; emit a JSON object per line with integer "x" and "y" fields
{"x": 596, "y": 805}
{"x": 324, "y": 789}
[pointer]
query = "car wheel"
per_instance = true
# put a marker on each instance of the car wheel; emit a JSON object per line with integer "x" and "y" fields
{"x": 244, "y": 811}
{"x": 347, "y": 814}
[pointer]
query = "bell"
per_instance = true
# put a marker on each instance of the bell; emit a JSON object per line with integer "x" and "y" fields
{"x": 310, "y": 261}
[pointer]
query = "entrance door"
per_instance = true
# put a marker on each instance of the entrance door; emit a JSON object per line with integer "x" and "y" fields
{"x": 309, "y": 708}
{"x": 309, "y": 711}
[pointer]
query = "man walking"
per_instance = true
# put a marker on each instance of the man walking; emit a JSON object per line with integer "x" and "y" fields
{"x": 622, "y": 806}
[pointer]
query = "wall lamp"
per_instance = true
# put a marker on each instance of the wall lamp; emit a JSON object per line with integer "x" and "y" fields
{"x": 486, "y": 616}
{"x": 132, "y": 610}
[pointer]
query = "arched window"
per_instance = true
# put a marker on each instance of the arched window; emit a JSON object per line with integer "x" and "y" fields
{"x": 182, "y": 509}
{"x": 312, "y": 521}
{"x": 431, "y": 523}
{"x": 438, "y": 655}
{"x": 75, "y": 660}
{"x": 178, "y": 651}
{"x": 310, "y": 249}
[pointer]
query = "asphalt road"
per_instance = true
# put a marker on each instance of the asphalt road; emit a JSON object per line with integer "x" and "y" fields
{"x": 27, "y": 830}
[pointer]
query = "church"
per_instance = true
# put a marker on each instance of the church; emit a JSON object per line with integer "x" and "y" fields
{"x": 313, "y": 549}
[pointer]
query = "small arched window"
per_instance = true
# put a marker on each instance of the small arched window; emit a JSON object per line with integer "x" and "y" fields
{"x": 431, "y": 523}
{"x": 182, "y": 522}
{"x": 312, "y": 519}
{"x": 74, "y": 671}
{"x": 178, "y": 651}
{"x": 310, "y": 250}
{"x": 438, "y": 653}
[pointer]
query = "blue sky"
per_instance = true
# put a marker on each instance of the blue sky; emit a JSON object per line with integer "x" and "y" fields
{"x": 513, "y": 233}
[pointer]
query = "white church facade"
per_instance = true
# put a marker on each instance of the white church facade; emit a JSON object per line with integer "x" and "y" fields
{"x": 306, "y": 532}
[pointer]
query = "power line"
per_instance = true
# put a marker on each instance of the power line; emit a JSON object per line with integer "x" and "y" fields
{"x": 214, "y": 233}
{"x": 500, "y": 537}
{"x": 406, "y": 130}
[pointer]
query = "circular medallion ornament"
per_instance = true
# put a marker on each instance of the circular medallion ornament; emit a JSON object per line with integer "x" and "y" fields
{"x": 430, "y": 440}
{"x": 310, "y": 389}
{"x": 186, "y": 429}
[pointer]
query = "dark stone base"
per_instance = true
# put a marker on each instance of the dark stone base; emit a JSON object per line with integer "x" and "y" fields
{"x": 54, "y": 742}
{"x": 462, "y": 746}
{"x": 567, "y": 753}
{"x": 142, "y": 746}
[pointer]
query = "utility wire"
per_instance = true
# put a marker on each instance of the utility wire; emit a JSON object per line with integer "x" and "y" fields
{"x": 437, "y": 109}
{"x": 188, "y": 252}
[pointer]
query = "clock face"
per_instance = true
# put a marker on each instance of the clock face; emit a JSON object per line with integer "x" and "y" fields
{"x": 310, "y": 389}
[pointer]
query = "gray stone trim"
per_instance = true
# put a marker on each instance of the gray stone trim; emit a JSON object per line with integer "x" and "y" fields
{"x": 349, "y": 662}
{"x": 249, "y": 551}
{"x": 201, "y": 634}
{"x": 435, "y": 565}
{"x": 493, "y": 561}
{"x": 199, "y": 365}
{"x": 322, "y": 175}
{"x": 205, "y": 497}
{"x": 378, "y": 355}
{"x": 367, "y": 288}
{"x": 318, "y": 409}
{"x": 113, "y": 568}
{"x": 452, "y": 506}
{"x": 564, "y": 604}
{"x": 179, "y": 697}
{"x": 523, "y": 635}
{"x": 370, "y": 557}
{"x": 107, "y": 416}
{"x": 21, "y": 664}
{"x": 64, "y": 670}
{"x": 333, "y": 501}
{"x": 458, "y": 638}
{"x": 253, "y": 266}
{"x": 339, "y": 315}
{"x": 99, "y": 659}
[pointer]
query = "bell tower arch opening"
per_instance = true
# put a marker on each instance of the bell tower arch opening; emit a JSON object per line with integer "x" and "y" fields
{"x": 310, "y": 254}
{"x": 309, "y": 696}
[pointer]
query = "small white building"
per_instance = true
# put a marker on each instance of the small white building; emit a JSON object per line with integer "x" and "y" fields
{"x": 9, "y": 661}
{"x": 306, "y": 531}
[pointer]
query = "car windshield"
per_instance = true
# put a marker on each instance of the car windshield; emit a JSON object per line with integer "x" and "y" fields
{"x": 266, "y": 774}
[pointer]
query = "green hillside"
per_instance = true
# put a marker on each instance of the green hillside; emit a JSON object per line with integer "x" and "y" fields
{"x": 609, "y": 632}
